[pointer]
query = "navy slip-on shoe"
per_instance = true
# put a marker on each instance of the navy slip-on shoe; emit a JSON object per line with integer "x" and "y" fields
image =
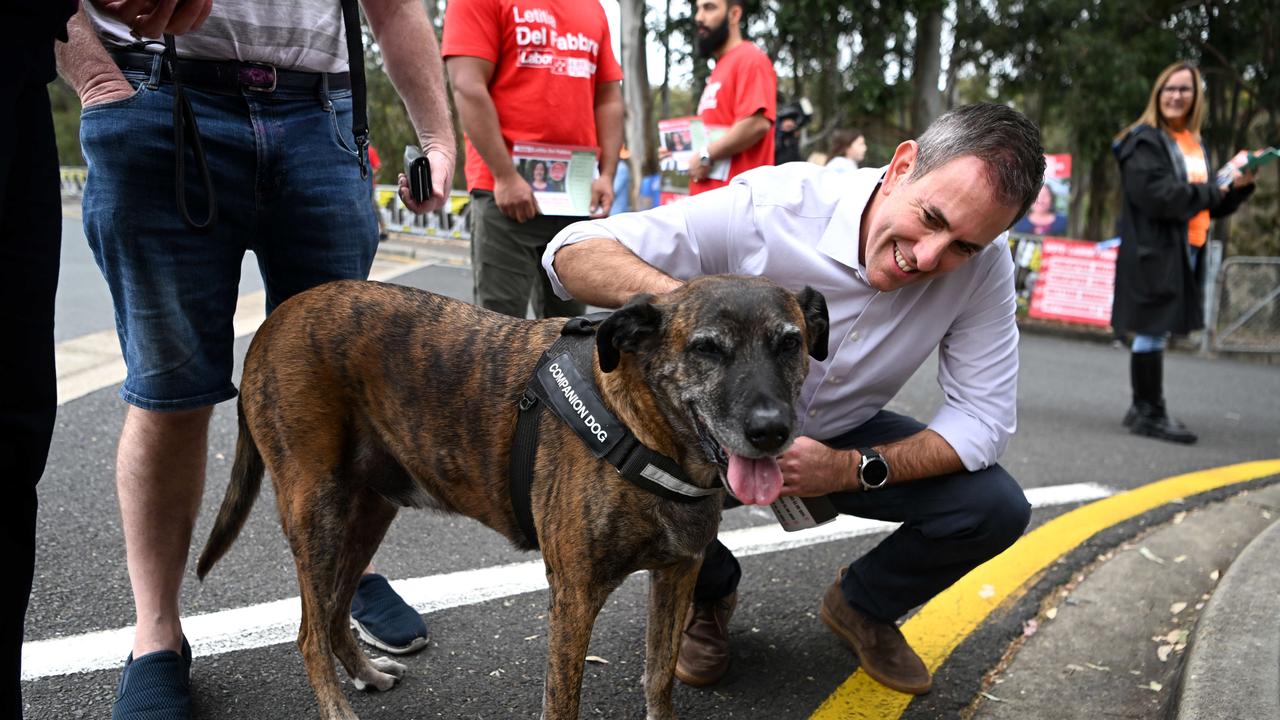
{"x": 156, "y": 686}
{"x": 384, "y": 620}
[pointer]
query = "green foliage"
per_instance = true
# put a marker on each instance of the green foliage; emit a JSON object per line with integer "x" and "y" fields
{"x": 66, "y": 122}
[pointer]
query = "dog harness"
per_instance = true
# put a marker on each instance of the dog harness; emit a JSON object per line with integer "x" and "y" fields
{"x": 564, "y": 383}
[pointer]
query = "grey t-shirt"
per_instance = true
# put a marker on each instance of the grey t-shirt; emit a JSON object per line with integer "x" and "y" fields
{"x": 289, "y": 34}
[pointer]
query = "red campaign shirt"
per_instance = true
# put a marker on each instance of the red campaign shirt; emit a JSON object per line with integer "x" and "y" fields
{"x": 548, "y": 56}
{"x": 742, "y": 82}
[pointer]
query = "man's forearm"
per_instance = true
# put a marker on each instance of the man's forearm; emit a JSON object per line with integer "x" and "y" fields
{"x": 923, "y": 455}
{"x": 741, "y": 135}
{"x": 604, "y": 273}
{"x": 609, "y": 117}
{"x": 412, "y": 56}
{"x": 83, "y": 62}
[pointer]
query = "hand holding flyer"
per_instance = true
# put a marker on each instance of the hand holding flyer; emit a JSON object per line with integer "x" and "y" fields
{"x": 683, "y": 138}
{"x": 1245, "y": 162}
{"x": 560, "y": 176}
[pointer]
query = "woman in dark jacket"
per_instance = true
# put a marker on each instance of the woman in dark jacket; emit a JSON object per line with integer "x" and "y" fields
{"x": 1170, "y": 194}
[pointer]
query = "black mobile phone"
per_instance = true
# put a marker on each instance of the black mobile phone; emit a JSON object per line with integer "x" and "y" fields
{"x": 418, "y": 169}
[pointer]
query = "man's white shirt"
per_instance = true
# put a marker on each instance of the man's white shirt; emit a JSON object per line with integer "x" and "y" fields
{"x": 798, "y": 224}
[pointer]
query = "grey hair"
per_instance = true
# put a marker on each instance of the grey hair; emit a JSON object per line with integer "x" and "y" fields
{"x": 1006, "y": 142}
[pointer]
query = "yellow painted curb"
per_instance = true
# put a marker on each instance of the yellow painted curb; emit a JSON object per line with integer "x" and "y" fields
{"x": 949, "y": 618}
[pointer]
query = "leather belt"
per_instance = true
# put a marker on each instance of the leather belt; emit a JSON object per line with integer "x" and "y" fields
{"x": 231, "y": 77}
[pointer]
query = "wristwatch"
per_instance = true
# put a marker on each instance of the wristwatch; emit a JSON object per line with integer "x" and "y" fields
{"x": 704, "y": 157}
{"x": 873, "y": 469}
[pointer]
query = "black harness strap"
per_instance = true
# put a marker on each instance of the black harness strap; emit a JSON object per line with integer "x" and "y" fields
{"x": 563, "y": 383}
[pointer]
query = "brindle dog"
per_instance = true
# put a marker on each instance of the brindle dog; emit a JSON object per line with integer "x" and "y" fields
{"x": 360, "y": 398}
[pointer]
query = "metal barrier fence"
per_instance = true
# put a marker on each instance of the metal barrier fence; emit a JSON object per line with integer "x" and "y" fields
{"x": 73, "y": 180}
{"x": 450, "y": 221}
{"x": 1246, "y": 315}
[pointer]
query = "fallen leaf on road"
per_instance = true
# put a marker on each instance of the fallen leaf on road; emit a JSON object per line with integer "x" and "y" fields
{"x": 1073, "y": 667}
{"x": 1144, "y": 552}
{"x": 1266, "y": 514}
{"x": 1099, "y": 668}
{"x": 532, "y": 637}
{"x": 987, "y": 592}
{"x": 597, "y": 659}
{"x": 1051, "y": 613}
{"x": 1163, "y": 652}
{"x": 1177, "y": 607}
{"x": 1179, "y": 517}
{"x": 1153, "y": 686}
{"x": 1215, "y": 575}
{"x": 989, "y": 696}
{"x": 1180, "y": 558}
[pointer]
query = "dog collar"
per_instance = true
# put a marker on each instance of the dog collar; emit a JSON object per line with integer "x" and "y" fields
{"x": 564, "y": 384}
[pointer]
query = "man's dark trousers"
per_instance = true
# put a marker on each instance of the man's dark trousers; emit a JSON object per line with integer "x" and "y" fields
{"x": 950, "y": 525}
{"x": 30, "y": 242}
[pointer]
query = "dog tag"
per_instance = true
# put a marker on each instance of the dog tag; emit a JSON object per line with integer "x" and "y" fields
{"x": 796, "y": 513}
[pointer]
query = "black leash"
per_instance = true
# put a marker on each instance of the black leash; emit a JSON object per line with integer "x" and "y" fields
{"x": 184, "y": 124}
{"x": 355, "y": 66}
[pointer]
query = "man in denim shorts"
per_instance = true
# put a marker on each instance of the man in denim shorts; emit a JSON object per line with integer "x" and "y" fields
{"x": 267, "y": 84}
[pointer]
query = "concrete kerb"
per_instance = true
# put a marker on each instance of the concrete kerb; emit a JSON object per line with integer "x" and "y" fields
{"x": 1233, "y": 668}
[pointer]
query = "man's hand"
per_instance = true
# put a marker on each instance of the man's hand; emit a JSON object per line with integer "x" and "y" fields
{"x": 441, "y": 183}
{"x": 601, "y": 196}
{"x": 515, "y": 197}
{"x": 697, "y": 171}
{"x": 152, "y": 18}
{"x": 810, "y": 469}
{"x": 105, "y": 89}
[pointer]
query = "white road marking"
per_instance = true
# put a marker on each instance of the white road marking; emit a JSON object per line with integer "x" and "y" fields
{"x": 276, "y": 622}
{"x": 91, "y": 362}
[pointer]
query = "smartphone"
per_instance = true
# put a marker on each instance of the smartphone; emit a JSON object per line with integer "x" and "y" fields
{"x": 418, "y": 169}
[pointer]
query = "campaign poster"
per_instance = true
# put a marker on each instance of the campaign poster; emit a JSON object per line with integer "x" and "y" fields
{"x": 681, "y": 138}
{"x": 1075, "y": 283}
{"x": 1048, "y": 214}
{"x": 559, "y": 175}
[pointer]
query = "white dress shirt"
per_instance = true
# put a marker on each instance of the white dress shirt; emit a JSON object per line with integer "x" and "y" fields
{"x": 798, "y": 224}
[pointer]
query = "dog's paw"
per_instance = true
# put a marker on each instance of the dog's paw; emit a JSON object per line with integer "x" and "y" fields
{"x": 387, "y": 665}
{"x": 380, "y": 674}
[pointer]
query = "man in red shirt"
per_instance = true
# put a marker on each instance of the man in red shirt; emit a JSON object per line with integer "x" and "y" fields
{"x": 538, "y": 71}
{"x": 741, "y": 94}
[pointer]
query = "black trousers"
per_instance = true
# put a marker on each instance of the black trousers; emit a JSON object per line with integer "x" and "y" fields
{"x": 30, "y": 243}
{"x": 950, "y": 525}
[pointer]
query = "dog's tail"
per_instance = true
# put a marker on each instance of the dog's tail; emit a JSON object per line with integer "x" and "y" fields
{"x": 246, "y": 480}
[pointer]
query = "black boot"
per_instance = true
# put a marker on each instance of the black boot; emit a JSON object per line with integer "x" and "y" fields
{"x": 1149, "y": 415}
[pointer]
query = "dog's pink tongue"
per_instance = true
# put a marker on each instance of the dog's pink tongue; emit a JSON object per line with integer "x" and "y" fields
{"x": 755, "y": 481}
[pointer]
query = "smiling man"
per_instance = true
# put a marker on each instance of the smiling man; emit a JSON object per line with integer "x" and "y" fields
{"x": 910, "y": 259}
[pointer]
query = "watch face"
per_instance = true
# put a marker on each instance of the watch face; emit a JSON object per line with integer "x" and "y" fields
{"x": 875, "y": 472}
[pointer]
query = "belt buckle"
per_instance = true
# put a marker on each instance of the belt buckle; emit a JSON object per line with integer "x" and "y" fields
{"x": 255, "y": 77}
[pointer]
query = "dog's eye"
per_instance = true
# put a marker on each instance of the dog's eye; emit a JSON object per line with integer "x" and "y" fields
{"x": 707, "y": 348}
{"x": 789, "y": 343}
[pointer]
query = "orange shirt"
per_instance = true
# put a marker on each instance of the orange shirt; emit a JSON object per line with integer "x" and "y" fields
{"x": 548, "y": 57}
{"x": 1197, "y": 172}
{"x": 742, "y": 82}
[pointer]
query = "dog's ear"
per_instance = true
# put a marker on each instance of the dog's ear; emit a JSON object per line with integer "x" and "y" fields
{"x": 629, "y": 329}
{"x": 817, "y": 326}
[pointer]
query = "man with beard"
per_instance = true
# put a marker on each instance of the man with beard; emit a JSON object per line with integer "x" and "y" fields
{"x": 910, "y": 259}
{"x": 741, "y": 94}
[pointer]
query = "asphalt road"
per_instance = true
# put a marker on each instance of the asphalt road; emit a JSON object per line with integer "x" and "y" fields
{"x": 486, "y": 658}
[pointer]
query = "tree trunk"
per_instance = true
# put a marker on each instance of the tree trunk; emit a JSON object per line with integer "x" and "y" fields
{"x": 1099, "y": 195}
{"x": 927, "y": 102}
{"x": 640, "y": 128}
{"x": 666, "y": 63}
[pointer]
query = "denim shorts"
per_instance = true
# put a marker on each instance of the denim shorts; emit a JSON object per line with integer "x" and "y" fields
{"x": 286, "y": 178}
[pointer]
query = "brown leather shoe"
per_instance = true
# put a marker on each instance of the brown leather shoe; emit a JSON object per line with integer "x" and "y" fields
{"x": 880, "y": 647}
{"x": 704, "y": 645}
